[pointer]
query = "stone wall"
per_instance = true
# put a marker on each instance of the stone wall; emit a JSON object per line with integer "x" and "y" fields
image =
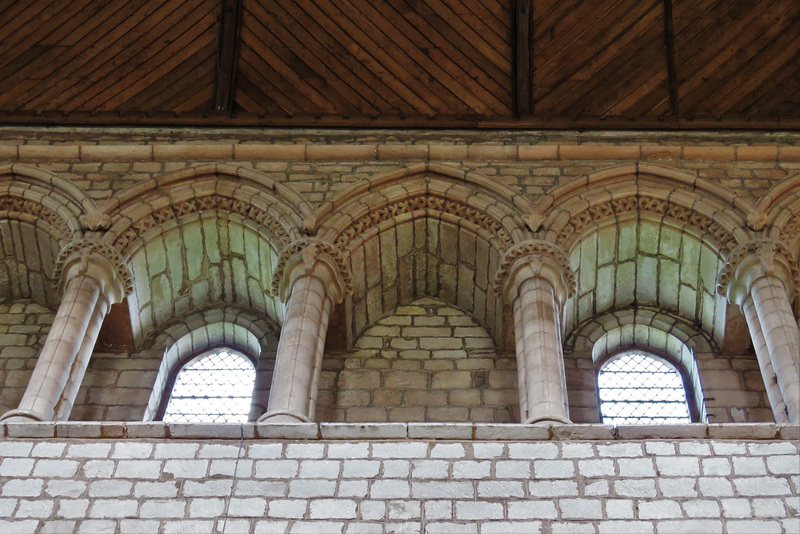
{"x": 426, "y": 362}
{"x": 23, "y": 328}
{"x": 398, "y": 478}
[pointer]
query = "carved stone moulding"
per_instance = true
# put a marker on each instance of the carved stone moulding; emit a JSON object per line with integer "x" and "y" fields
{"x": 19, "y": 208}
{"x": 706, "y": 226}
{"x": 535, "y": 247}
{"x": 243, "y": 209}
{"x": 310, "y": 247}
{"x": 429, "y": 203}
{"x": 89, "y": 246}
{"x": 775, "y": 257}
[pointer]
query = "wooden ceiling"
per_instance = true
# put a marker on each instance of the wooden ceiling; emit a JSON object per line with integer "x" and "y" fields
{"x": 587, "y": 64}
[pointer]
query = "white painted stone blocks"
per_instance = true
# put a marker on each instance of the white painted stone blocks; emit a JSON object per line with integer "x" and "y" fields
{"x": 388, "y": 486}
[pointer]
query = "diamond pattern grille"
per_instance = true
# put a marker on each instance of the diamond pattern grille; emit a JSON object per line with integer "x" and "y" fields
{"x": 214, "y": 388}
{"x": 639, "y": 389}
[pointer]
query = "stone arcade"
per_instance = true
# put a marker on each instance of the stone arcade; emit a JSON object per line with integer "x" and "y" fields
{"x": 407, "y": 304}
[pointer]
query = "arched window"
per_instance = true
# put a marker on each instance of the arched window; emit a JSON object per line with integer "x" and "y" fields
{"x": 215, "y": 387}
{"x": 639, "y": 388}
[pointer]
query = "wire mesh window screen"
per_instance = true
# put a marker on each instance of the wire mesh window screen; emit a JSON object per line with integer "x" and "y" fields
{"x": 636, "y": 388}
{"x": 213, "y": 388}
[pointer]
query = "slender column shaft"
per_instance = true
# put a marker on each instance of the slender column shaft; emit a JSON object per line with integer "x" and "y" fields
{"x": 60, "y": 349}
{"x": 782, "y": 338}
{"x": 545, "y": 379}
{"x": 299, "y": 357}
{"x": 311, "y": 278}
{"x": 67, "y": 400}
{"x": 92, "y": 282}
{"x": 520, "y": 350}
{"x": 762, "y": 353}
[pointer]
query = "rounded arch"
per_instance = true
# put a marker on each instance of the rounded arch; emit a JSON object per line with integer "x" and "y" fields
{"x": 651, "y": 330}
{"x": 253, "y": 198}
{"x": 711, "y": 211}
{"x": 39, "y": 214}
{"x": 777, "y": 213}
{"x": 39, "y": 196}
{"x": 439, "y": 189}
{"x": 204, "y": 332}
{"x": 424, "y": 230}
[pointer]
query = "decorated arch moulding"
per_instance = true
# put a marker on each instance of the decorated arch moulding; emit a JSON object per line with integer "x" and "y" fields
{"x": 715, "y": 212}
{"x": 420, "y": 188}
{"x": 35, "y": 195}
{"x": 272, "y": 207}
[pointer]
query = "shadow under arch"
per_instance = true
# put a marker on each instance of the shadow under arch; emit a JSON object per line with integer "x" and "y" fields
{"x": 424, "y": 230}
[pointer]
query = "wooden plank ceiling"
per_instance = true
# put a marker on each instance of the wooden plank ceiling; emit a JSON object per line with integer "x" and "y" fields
{"x": 402, "y": 63}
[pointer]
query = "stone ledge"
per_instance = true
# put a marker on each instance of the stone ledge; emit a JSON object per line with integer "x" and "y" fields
{"x": 397, "y": 431}
{"x": 310, "y": 152}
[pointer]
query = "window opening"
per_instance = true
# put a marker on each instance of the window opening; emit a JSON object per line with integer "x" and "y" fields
{"x": 638, "y": 388}
{"x": 216, "y": 387}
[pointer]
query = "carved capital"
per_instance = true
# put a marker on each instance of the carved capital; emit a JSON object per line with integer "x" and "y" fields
{"x": 90, "y": 257}
{"x": 751, "y": 261}
{"x": 312, "y": 257}
{"x": 535, "y": 258}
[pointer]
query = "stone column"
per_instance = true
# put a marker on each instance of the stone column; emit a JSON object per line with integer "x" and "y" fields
{"x": 536, "y": 279}
{"x": 765, "y": 272}
{"x": 93, "y": 278}
{"x": 762, "y": 354}
{"x": 311, "y": 278}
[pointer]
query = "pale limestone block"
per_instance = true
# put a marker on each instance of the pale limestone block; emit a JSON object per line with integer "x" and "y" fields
{"x": 138, "y": 469}
{"x": 554, "y": 488}
{"x": 677, "y": 487}
{"x": 442, "y": 490}
{"x": 261, "y": 488}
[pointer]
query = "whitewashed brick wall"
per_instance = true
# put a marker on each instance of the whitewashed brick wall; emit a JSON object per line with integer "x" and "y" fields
{"x": 149, "y": 483}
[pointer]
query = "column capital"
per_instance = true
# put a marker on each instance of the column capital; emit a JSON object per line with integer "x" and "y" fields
{"x": 753, "y": 260}
{"x": 535, "y": 258}
{"x": 312, "y": 257}
{"x": 98, "y": 260}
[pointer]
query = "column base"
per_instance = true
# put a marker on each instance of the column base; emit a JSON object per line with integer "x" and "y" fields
{"x": 283, "y": 417}
{"x": 21, "y": 416}
{"x": 547, "y": 420}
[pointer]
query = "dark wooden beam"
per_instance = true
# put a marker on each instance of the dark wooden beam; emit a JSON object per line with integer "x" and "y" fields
{"x": 672, "y": 70}
{"x": 530, "y": 122}
{"x": 522, "y": 57}
{"x": 227, "y": 52}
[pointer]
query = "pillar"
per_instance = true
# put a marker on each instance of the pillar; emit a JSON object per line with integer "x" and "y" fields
{"x": 536, "y": 280}
{"x": 92, "y": 278}
{"x": 761, "y": 277}
{"x": 311, "y": 279}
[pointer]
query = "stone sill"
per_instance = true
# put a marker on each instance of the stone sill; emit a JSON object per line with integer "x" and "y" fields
{"x": 396, "y": 431}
